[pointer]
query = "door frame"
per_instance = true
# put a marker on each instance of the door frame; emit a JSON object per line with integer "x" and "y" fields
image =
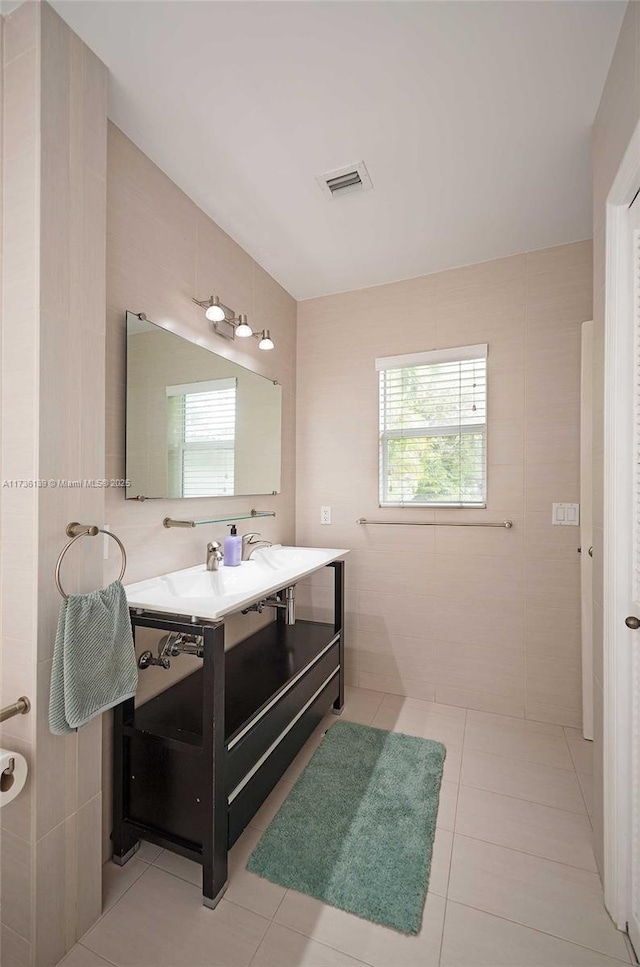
{"x": 616, "y": 539}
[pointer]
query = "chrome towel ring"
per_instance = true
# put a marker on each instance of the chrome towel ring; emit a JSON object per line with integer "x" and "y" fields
{"x": 75, "y": 531}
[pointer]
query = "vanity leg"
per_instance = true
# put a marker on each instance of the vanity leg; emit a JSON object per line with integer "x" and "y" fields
{"x": 125, "y": 841}
{"x": 338, "y": 624}
{"x": 216, "y": 820}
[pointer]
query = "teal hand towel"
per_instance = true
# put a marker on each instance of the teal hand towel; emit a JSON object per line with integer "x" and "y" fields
{"x": 94, "y": 660}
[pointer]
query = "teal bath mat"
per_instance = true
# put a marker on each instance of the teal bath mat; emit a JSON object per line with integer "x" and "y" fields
{"x": 357, "y": 829}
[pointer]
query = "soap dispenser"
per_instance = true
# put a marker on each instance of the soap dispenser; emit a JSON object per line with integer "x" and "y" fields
{"x": 233, "y": 547}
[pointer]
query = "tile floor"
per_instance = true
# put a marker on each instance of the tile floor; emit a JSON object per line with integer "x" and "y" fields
{"x": 513, "y": 879}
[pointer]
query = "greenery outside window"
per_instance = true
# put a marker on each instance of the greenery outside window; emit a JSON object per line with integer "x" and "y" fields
{"x": 202, "y": 438}
{"x": 433, "y": 428}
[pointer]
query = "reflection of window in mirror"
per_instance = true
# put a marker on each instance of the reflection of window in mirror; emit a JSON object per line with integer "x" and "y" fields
{"x": 201, "y": 429}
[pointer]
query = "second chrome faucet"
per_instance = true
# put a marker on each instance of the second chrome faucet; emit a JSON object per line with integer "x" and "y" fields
{"x": 251, "y": 543}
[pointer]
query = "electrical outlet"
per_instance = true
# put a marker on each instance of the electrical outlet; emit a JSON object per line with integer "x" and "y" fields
{"x": 325, "y": 515}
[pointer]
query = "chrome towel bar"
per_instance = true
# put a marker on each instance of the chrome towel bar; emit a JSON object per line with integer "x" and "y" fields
{"x": 440, "y": 523}
{"x": 21, "y": 707}
{"x": 75, "y": 531}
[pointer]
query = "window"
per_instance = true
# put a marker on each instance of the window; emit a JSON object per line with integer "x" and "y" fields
{"x": 433, "y": 428}
{"x": 202, "y": 438}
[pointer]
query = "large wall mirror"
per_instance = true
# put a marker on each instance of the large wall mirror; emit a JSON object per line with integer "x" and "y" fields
{"x": 198, "y": 425}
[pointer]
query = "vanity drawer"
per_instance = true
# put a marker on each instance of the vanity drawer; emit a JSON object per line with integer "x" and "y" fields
{"x": 247, "y": 800}
{"x": 249, "y": 744}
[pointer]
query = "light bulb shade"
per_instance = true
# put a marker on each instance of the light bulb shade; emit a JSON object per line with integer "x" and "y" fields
{"x": 266, "y": 341}
{"x": 243, "y": 329}
{"x": 215, "y": 312}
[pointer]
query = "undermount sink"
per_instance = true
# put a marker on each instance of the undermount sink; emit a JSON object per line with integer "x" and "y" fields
{"x": 197, "y": 592}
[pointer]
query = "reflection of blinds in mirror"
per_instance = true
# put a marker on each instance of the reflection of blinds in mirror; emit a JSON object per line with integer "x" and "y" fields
{"x": 202, "y": 438}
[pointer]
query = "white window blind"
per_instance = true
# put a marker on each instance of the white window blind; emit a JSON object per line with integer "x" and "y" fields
{"x": 202, "y": 438}
{"x": 433, "y": 428}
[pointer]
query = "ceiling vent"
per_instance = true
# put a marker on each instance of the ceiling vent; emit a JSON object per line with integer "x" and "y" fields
{"x": 345, "y": 180}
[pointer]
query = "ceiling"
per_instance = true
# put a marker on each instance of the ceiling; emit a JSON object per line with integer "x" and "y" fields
{"x": 473, "y": 120}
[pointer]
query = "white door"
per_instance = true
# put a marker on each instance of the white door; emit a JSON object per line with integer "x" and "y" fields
{"x": 632, "y": 740}
{"x": 586, "y": 526}
{"x": 617, "y": 674}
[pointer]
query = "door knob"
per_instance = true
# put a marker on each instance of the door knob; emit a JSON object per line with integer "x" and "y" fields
{"x": 632, "y": 622}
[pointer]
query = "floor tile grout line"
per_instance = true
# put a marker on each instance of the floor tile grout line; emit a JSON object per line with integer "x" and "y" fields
{"x": 520, "y": 726}
{"x": 522, "y": 720}
{"x": 282, "y": 899}
{"x": 182, "y": 879}
{"x": 444, "y": 920}
{"x": 586, "y": 806}
{"x": 546, "y": 933}
{"x": 525, "y": 852}
{"x": 325, "y": 943}
{"x": 577, "y": 772}
{"x": 116, "y": 902}
{"x": 568, "y": 744}
{"x": 522, "y": 852}
{"x": 570, "y": 771}
{"x": 455, "y": 811}
{"x": 453, "y": 834}
{"x": 430, "y": 708}
{"x": 106, "y": 959}
{"x": 533, "y": 762}
{"x": 383, "y": 695}
{"x": 234, "y": 903}
{"x": 453, "y": 840}
{"x": 534, "y": 802}
{"x": 176, "y": 875}
{"x": 537, "y": 802}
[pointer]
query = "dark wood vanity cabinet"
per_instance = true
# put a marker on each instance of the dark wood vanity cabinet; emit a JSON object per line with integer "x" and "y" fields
{"x": 194, "y": 764}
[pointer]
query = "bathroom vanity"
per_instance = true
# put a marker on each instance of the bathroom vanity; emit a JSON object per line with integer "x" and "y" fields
{"x": 194, "y": 764}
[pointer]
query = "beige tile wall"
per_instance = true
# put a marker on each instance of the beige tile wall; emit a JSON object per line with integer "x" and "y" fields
{"x": 54, "y": 201}
{"x": 162, "y": 250}
{"x": 482, "y": 618}
{"x": 615, "y": 122}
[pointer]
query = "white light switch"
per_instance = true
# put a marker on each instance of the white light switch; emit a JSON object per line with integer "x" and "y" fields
{"x": 325, "y": 515}
{"x": 566, "y": 514}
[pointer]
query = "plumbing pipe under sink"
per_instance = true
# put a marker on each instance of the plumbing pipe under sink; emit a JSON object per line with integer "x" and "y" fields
{"x": 289, "y": 605}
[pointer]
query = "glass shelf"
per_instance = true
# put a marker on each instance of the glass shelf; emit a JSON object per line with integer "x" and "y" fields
{"x": 246, "y": 515}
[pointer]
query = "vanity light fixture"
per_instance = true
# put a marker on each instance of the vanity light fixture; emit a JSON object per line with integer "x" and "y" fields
{"x": 228, "y": 325}
{"x": 221, "y": 316}
{"x": 214, "y": 311}
{"x": 243, "y": 329}
{"x": 266, "y": 342}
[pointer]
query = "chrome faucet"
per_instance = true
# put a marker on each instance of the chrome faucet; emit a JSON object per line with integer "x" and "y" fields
{"x": 250, "y": 543}
{"x": 214, "y": 555}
